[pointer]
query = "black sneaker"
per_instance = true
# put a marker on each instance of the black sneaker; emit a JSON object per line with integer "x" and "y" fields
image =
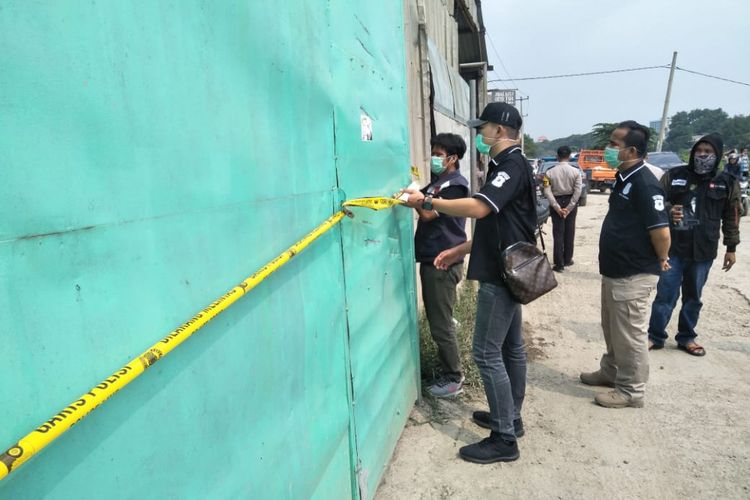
{"x": 490, "y": 450}
{"x": 567, "y": 264}
{"x": 558, "y": 269}
{"x": 482, "y": 419}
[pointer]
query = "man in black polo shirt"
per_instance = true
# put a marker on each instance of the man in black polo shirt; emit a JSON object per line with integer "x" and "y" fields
{"x": 436, "y": 233}
{"x": 505, "y": 209}
{"x": 633, "y": 251}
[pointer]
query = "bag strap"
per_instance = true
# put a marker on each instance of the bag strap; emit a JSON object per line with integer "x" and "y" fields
{"x": 532, "y": 181}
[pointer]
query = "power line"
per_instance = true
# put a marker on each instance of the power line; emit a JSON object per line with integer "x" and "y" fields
{"x": 497, "y": 54}
{"x": 571, "y": 75}
{"x": 626, "y": 70}
{"x": 712, "y": 76}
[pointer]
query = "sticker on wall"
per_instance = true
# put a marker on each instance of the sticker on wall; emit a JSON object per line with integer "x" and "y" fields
{"x": 365, "y": 123}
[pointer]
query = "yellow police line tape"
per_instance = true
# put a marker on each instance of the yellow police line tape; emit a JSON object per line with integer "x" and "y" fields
{"x": 36, "y": 440}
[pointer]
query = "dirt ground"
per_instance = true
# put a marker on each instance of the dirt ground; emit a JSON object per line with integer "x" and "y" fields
{"x": 691, "y": 440}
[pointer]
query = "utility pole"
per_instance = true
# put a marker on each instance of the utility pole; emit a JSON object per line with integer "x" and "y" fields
{"x": 523, "y": 141}
{"x": 663, "y": 128}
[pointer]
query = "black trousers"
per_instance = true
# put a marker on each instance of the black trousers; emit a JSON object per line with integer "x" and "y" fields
{"x": 563, "y": 232}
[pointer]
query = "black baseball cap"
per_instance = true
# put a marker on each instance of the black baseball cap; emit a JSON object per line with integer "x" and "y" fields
{"x": 501, "y": 113}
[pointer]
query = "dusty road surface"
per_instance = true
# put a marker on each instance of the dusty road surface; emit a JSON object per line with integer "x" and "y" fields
{"x": 691, "y": 440}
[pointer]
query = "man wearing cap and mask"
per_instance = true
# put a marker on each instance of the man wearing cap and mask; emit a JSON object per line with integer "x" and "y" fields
{"x": 436, "y": 233}
{"x": 633, "y": 251}
{"x": 505, "y": 209}
{"x": 699, "y": 200}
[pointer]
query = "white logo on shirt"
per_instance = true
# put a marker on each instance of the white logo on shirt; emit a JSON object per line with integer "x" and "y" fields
{"x": 500, "y": 179}
{"x": 658, "y": 202}
{"x": 679, "y": 182}
{"x": 627, "y": 188}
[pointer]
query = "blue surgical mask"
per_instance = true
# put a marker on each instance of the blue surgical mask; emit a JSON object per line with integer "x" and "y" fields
{"x": 436, "y": 165}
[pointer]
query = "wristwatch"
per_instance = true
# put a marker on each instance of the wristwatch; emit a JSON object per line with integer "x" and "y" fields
{"x": 427, "y": 202}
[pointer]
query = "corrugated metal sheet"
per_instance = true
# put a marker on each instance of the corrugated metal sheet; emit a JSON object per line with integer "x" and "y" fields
{"x": 155, "y": 153}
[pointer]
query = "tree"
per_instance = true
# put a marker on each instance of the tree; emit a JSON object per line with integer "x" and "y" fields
{"x": 736, "y": 132}
{"x": 576, "y": 142}
{"x": 601, "y": 133}
{"x": 685, "y": 126}
{"x": 531, "y": 149}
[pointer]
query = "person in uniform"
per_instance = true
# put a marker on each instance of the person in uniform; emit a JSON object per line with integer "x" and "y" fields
{"x": 562, "y": 187}
{"x": 633, "y": 251}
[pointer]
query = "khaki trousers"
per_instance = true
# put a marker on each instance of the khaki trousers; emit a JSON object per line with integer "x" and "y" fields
{"x": 625, "y": 315}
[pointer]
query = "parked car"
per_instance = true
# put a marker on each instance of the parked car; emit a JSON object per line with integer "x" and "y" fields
{"x": 542, "y": 205}
{"x": 665, "y": 160}
{"x": 584, "y": 179}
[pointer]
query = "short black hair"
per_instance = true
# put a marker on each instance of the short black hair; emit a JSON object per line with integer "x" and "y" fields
{"x": 637, "y": 136}
{"x": 452, "y": 144}
{"x": 512, "y": 133}
{"x": 563, "y": 152}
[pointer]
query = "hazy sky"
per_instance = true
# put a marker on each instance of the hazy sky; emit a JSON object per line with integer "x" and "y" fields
{"x": 549, "y": 37}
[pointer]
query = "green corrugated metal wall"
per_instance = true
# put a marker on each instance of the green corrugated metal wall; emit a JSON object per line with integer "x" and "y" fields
{"x": 153, "y": 154}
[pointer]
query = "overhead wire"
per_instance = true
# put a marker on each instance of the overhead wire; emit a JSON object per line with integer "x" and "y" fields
{"x": 607, "y": 72}
{"x": 712, "y": 76}
{"x": 502, "y": 64}
{"x": 572, "y": 75}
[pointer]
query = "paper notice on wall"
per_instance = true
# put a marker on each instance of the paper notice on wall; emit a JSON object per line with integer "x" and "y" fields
{"x": 365, "y": 123}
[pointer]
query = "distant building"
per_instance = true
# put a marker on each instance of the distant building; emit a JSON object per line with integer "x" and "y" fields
{"x": 656, "y": 125}
{"x": 542, "y": 138}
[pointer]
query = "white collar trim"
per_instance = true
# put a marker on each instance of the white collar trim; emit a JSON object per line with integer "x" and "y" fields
{"x": 631, "y": 173}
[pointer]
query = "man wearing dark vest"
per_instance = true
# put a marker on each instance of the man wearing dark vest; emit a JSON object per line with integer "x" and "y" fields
{"x": 435, "y": 233}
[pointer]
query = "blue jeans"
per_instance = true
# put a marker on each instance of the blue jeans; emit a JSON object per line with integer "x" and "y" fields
{"x": 500, "y": 354}
{"x": 691, "y": 275}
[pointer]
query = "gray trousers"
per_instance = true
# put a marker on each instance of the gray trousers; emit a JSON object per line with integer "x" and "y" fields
{"x": 500, "y": 355}
{"x": 625, "y": 315}
{"x": 439, "y": 296}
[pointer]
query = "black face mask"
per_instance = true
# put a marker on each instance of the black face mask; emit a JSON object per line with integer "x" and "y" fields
{"x": 704, "y": 164}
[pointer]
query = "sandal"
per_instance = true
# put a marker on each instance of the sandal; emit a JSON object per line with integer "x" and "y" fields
{"x": 693, "y": 349}
{"x": 654, "y": 347}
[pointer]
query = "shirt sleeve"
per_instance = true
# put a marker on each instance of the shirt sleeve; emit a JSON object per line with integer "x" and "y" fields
{"x": 547, "y": 190}
{"x": 650, "y": 205}
{"x": 503, "y": 186}
{"x": 577, "y": 189}
{"x": 452, "y": 192}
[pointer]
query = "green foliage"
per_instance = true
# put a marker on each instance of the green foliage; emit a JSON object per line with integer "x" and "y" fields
{"x": 601, "y": 133}
{"x": 576, "y": 142}
{"x": 531, "y": 148}
{"x": 686, "y": 126}
{"x": 736, "y": 132}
